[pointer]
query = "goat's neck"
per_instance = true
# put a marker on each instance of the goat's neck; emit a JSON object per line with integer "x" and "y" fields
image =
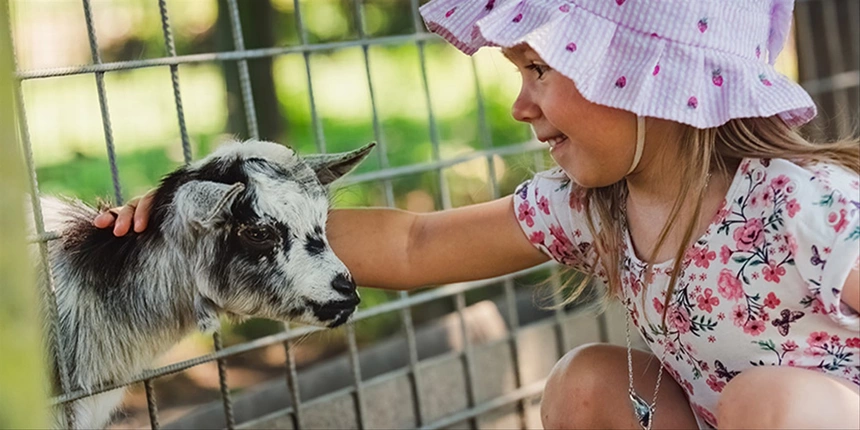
{"x": 120, "y": 330}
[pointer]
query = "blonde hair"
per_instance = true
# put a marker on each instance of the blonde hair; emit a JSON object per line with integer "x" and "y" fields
{"x": 707, "y": 151}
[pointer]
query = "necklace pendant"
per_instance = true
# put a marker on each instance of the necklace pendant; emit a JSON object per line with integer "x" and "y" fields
{"x": 644, "y": 412}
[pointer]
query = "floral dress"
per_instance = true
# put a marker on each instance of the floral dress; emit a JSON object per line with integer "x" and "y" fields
{"x": 761, "y": 287}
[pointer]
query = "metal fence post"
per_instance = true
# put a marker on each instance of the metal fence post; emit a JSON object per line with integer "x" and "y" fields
{"x": 22, "y": 372}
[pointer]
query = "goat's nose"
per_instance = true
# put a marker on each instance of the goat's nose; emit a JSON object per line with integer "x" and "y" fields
{"x": 343, "y": 284}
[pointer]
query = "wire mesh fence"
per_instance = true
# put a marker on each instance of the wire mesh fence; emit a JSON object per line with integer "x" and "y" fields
{"x": 828, "y": 50}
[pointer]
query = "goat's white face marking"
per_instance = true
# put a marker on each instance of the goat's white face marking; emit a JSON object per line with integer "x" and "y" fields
{"x": 269, "y": 254}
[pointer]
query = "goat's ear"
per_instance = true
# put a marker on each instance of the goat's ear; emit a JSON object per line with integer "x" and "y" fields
{"x": 330, "y": 167}
{"x": 206, "y": 312}
{"x": 204, "y": 202}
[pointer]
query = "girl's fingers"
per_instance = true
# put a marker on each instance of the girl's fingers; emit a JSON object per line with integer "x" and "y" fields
{"x": 141, "y": 213}
{"x": 104, "y": 219}
{"x": 124, "y": 220}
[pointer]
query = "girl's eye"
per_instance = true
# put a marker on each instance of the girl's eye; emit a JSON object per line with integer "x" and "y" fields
{"x": 540, "y": 69}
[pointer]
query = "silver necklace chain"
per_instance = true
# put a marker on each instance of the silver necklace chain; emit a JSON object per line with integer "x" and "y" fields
{"x": 644, "y": 412}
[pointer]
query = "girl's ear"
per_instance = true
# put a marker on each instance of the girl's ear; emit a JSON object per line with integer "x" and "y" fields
{"x": 330, "y": 167}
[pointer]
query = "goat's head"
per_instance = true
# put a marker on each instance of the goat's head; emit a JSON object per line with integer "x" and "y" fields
{"x": 255, "y": 216}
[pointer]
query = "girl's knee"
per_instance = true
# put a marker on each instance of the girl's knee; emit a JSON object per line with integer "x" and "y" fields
{"x": 759, "y": 397}
{"x": 574, "y": 386}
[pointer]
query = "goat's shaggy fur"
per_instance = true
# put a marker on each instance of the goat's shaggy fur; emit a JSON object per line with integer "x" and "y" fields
{"x": 241, "y": 232}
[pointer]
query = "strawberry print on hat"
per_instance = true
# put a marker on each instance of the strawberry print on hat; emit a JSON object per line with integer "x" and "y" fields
{"x": 716, "y": 77}
{"x": 643, "y": 42}
{"x": 693, "y": 102}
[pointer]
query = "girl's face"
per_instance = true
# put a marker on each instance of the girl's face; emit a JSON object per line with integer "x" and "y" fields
{"x": 593, "y": 144}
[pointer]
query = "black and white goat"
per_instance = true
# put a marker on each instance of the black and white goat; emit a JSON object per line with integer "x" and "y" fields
{"x": 240, "y": 232}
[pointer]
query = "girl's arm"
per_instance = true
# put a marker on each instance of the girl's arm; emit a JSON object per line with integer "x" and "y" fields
{"x": 394, "y": 249}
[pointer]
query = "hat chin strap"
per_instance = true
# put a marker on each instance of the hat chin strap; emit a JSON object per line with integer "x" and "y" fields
{"x": 640, "y": 143}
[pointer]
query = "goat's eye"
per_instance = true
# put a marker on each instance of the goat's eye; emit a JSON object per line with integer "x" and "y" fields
{"x": 258, "y": 235}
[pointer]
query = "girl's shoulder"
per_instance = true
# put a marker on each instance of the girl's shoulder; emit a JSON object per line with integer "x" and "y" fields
{"x": 814, "y": 201}
{"x": 803, "y": 179}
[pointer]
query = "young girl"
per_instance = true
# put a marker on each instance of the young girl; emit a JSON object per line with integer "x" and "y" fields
{"x": 682, "y": 185}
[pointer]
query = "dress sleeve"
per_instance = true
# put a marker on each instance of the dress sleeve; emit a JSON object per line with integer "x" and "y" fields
{"x": 828, "y": 243}
{"x": 549, "y": 208}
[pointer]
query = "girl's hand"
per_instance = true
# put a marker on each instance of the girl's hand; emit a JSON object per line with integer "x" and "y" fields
{"x": 134, "y": 214}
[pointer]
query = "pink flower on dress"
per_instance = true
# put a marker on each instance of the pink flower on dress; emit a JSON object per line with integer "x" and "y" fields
{"x": 789, "y": 346}
{"x": 740, "y": 315}
{"x": 564, "y": 8}
{"x": 838, "y": 221}
{"x": 725, "y": 254}
{"x": 704, "y": 413}
{"x": 621, "y": 82}
{"x": 450, "y": 12}
{"x": 814, "y": 352}
{"x": 680, "y": 319}
{"x": 658, "y": 305}
{"x": 772, "y": 272}
{"x": 729, "y": 286}
{"x": 754, "y": 327}
{"x": 750, "y": 235}
{"x": 537, "y": 237}
{"x": 577, "y": 199}
{"x": 526, "y": 213}
{"x": 707, "y": 301}
{"x": 702, "y": 257}
{"x": 688, "y": 387}
{"x": 771, "y": 301}
{"x": 543, "y": 204}
{"x": 852, "y": 342}
{"x": 561, "y": 251}
{"x": 702, "y": 25}
{"x": 817, "y": 338}
{"x": 792, "y": 244}
{"x": 561, "y": 248}
{"x": 571, "y": 47}
{"x": 656, "y": 70}
{"x": 635, "y": 284}
{"x": 518, "y": 18}
{"x": 779, "y": 182}
{"x": 715, "y": 383}
{"x": 792, "y": 207}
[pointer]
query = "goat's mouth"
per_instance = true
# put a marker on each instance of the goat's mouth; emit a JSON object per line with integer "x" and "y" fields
{"x": 334, "y": 313}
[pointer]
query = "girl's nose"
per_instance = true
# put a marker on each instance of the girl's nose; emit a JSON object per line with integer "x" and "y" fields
{"x": 524, "y": 109}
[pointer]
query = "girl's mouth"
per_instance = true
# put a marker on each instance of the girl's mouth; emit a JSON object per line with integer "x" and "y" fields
{"x": 555, "y": 142}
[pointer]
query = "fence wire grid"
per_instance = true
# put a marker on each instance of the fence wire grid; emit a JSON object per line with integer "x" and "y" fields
{"x": 828, "y": 43}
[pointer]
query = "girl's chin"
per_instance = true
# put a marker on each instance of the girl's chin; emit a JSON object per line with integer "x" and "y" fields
{"x": 587, "y": 178}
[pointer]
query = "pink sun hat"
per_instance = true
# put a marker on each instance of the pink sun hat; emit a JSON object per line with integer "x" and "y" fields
{"x": 697, "y": 62}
